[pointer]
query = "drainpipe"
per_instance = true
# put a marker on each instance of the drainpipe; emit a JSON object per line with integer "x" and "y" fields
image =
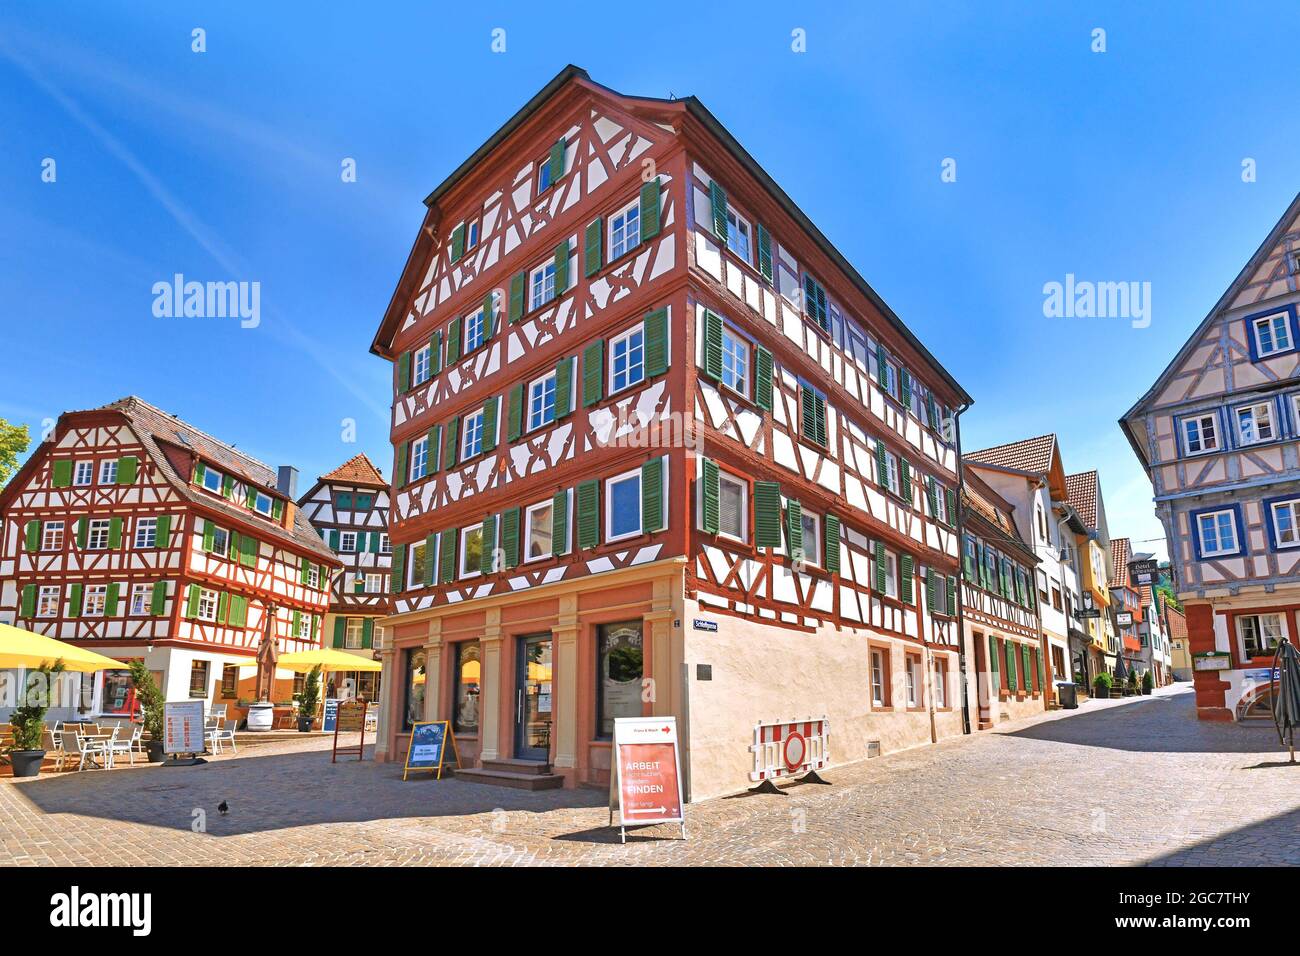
{"x": 961, "y": 577}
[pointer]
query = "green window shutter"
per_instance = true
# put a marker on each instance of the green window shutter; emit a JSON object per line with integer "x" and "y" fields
{"x": 518, "y": 286}
{"x": 1038, "y": 669}
{"x": 561, "y": 268}
{"x": 488, "y": 553}
{"x": 560, "y": 522}
{"x": 950, "y": 498}
{"x": 1025, "y": 669}
{"x": 588, "y": 514}
{"x": 1011, "y": 666}
{"x": 126, "y": 469}
{"x": 905, "y": 480}
{"x": 820, "y": 409}
{"x": 718, "y": 204}
{"x": 399, "y": 469}
{"x": 489, "y": 315}
{"x": 490, "y": 422}
{"x": 882, "y": 466}
{"x": 239, "y": 611}
{"x": 656, "y": 342}
{"x": 447, "y": 555}
{"x": 880, "y": 567}
{"x": 340, "y": 631}
{"x": 114, "y": 533}
{"x": 931, "y": 496}
{"x": 248, "y": 552}
{"x": 404, "y": 372}
{"x": 930, "y": 412}
{"x": 200, "y": 471}
{"x": 510, "y": 537}
{"x": 767, "y": 514}
{"x": 398, "y": 577}
{"x": 592, "y": 247}
{"x": 223, "y": 607}
{"x": 209, "y": 536}
{"x": 952, "y": 596}
{"x": 831, "y": 543}
{"x": 650, "y": 209}
{"x": 297, "y": 621}
{"x": 515, "y": 411}
{"x": 277, "y": 509}
{"x": 250, "y": 497}
{"x": 227, "y": 486}
{"x": 368, "y": 633}
{"x": 192, "y": 602}
{"x": 593, "y": 373}
{"x": 62, "y": 473}
{"x": 709, "y": 491}
{"x": 304, "y": 570}
{"x": 712, "y": 345}
{"x": 929, "y": 590}
{"x": 763, "y": 373}
{"x": 557, "y": 161}
{"x": 433, "y": 449}
{"x": 435, "y": 353}
{"x": 450, "y": 441}
{"x": 453, "y": 340}
{"x": 764, "y": 252}
{"x": 83, "y": 531}
{"x": 29, "y": 601}
{"x": 564, "y": 387}
{"x": 905, "y": 387}
{"x": 968, "y": 558}
{"x": 158, "y": 599}
{"x": 374, "y": 542}
{"x": 74, "y": 600}
{"x": 794, "y": 529}
{"x": 652, "y": 495}
{"x": 993, "y": 661}
{"x": 334, "y": 539}
{"x": 906, "y": 569}
{"x": 807, "y": 412}
{"x": 882, "y": 366}
{"x": 33, "y": 539}
{"x": 458, "y": 242}
{"x": 430, "y": 558}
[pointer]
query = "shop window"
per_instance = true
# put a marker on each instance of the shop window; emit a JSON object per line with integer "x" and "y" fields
{"x": 199, "y": 679}
{"x": 464, "y": 719}
{"x": 415, "y": 687}
{"x": 619, "y": 671}
{"x": 229, "y": 681}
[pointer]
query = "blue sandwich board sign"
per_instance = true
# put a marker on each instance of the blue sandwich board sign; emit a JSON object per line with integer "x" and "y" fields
{"x": 432, "y": 747}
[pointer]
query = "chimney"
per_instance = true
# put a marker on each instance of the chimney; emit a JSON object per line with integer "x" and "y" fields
{"x": 286, "y": 482}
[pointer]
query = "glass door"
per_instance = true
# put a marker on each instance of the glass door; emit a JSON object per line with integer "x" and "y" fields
{"x": 533, "y": 698}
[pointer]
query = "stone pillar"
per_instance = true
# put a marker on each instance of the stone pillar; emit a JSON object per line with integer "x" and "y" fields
{"x": 390, "y": 687}
{"x": 565, "y": 668}
{"x": 1211, "y": 689}
{"x": 433, "y": 671}
{"x": 664, "y": 659}
{"x": 491, "y": 690}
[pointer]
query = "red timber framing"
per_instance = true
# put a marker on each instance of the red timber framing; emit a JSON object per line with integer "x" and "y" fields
{"x": 109, "y": 515}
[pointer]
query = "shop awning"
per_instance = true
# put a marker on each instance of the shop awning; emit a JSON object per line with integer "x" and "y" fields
{"x": 328, "y": 659}
{"x": 22, "y": 648}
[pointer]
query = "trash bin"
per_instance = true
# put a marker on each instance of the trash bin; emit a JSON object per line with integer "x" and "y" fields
{"x": 1068, "y": 695}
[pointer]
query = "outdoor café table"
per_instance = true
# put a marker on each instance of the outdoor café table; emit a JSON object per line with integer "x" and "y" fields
{"x": 98, "y": 745}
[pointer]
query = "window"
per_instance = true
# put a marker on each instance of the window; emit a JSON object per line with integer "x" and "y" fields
{"x": 733, "y": 507}
{"x": 48, "y": 600}
{"x": 348, "y": 541}
{"x": 735, "y": 362}
{"x": 199, "y": 679}
{"x": 471, "y": 235}
{"x": 220, "y": 542}
{"x": 541, "y": 286}
{"x": 543, "y": 174}
{"x": 353, "y": 631}
{"x": 141, "y": 598}
{"x": 475, "y": 331}
{"x": 385, "y": 545}
{"x": 464, "y": 719}
{"x": 415, "y": 687}
{"x": 1056, "y": 597}
{"x": 418, "y": 574}
{"x": 940, "y": 684}
{"x": 108, "y": 472}
{"x": 313, "y": 575}
{"x": 879, "y": 672}
{"x": 472, "y": 442}
{"x": 374, "y": 583}
{"x": 419, "y": 458}
{"x": 146, "y": 532}
{"x": 1260, "y": 634}
{"x": 1286, "y": 522}
{"x": 541, "y": 401}
{"x": 207, "y": 605}
{"x": 262, "y": 503}
{"x": 891, "y": 479}
{"x": 627, "y": 359}
{"x": 1218, "y": 533}
{"x": 302, "y": 627}
{"x": 812, "y": 538}
{"x": 618, "y": 674}
{"x": 1272, "y": 334}
{"x": 420, "y": 366}
{"x": 624, "y": 230}
{"x": 471, "y": 551}
{"x": 913, "y": 676}
{"x": 97, "y": 538}
{"x": 52, "y": 536}
{"x": 623, "y": 506}
{"x": 539, "y": 531}
{"x": 213, "y": 480}
{"x": 891, "y": 574}
{"x": 738, "y": 235}
{"x": 229, "y": 680}
{"x": 85, "y": 472}
{"x": 940, "y": 503}
{"x": 1199, "y": 434}
{"x": 1255, "y": 423}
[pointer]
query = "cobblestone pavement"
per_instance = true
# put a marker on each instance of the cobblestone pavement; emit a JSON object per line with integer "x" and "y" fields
{"x": 1117, "y": 782}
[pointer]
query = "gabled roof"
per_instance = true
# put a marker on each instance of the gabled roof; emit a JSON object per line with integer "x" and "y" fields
{"x": 983, "y": 502}
{"x": 1029, "y": 454}
{"x": 1081, "y": 490}
{"x": 383, "y": 337}
{"x": 358, "y": 470}
{"x": 154, "y": 428}
{"x": 1176, "y": 621}
{"x": 1120, "y": 557}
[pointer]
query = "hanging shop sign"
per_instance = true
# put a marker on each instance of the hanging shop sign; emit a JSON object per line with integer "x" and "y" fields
{"x": 1143, "y": 572}
{"x": 1124, "y": 618}
{"x": 183, "y": 727}
{"x": 350, "y": 718}
{"x": 789, "y": 749}
{"x": 646, "y": 785}
{"x": 432, "y": 748}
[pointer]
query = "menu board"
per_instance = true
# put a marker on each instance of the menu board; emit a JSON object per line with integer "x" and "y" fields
{"x": 183, "y": 727}
{"x": 430, "y": 743}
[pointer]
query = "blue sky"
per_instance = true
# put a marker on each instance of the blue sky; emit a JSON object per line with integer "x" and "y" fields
{"x": 1115, "y": 166}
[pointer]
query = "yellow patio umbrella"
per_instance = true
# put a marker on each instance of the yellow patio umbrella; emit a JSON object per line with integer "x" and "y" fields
{"x": 328, "y": 659}
{"x": 539, "y": 672}
{"x": 20, "y": 648}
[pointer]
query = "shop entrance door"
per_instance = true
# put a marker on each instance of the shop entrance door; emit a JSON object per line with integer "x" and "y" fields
{"x": 534, "y": 700}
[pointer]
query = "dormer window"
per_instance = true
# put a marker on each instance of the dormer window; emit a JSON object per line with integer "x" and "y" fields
{"x": 262, "y": 503}
{"x": 212, "y": 480}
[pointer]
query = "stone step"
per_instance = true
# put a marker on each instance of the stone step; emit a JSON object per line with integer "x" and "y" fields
{"x": 507, "y": 778}
{"x": 514, "y": 765}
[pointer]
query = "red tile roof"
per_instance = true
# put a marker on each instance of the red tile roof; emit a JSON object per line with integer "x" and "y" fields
{"x": 359, "y": 470}
{"x": 1119, "y": 557}
{"x": 1081, "y": 490}
{"x": 1030, "y": 454}
{"x": 1176, "y": 621}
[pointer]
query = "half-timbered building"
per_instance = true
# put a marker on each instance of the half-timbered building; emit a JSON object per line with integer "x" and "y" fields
{"x": 1000, "y": 607}
{"x": 1219, "y": 435}
{"x": 132, "y": 532}
{"x": 1095, "y": 570}
{"x": 348, "y": 507}
{"x": 659, "y": 450}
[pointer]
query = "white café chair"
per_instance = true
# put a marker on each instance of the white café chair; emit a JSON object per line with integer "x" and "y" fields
{"x": 225, "y": 734}
{"x": 83, "y": 750}
{"x": 130, "y": 746}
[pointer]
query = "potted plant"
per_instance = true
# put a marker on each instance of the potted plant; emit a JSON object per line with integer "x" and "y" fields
{"x": 1148, "y": 683}
{"x": 1132, "y": 682}
{"x": 1101, "y": 685}
{"x": 309, "y": 700}
{"x": 28, "y": 721}
{"x": 150, "y": 699}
